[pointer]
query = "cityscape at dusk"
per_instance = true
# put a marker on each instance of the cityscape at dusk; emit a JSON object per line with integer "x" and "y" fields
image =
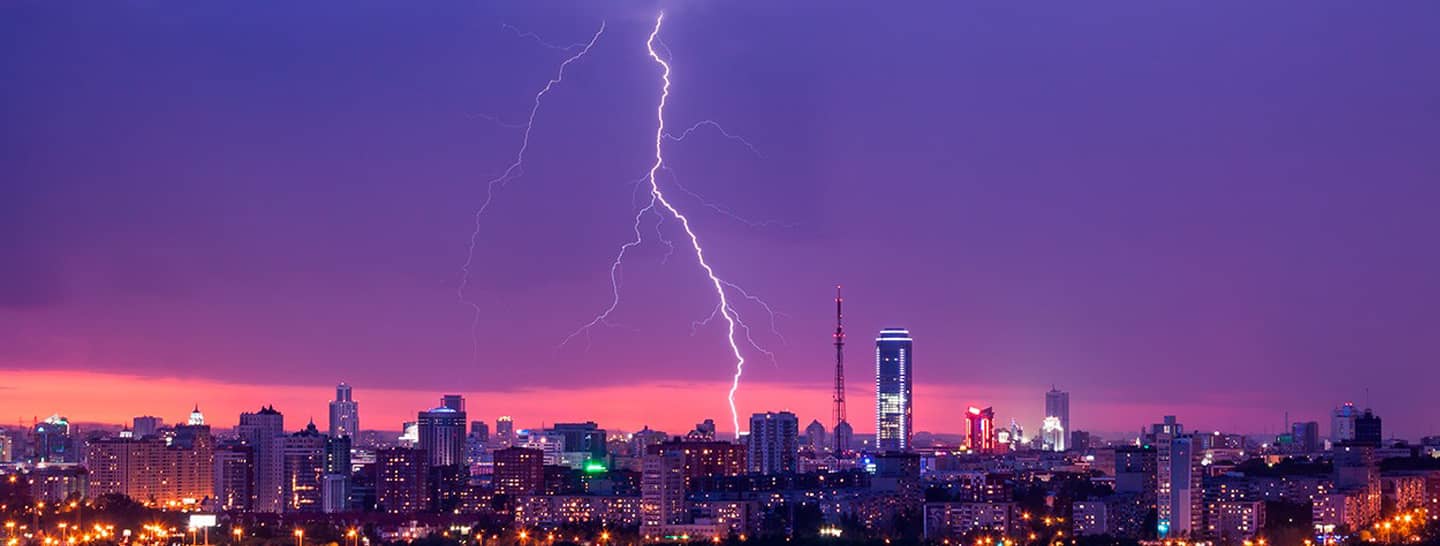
{"x": 508, "y": 272}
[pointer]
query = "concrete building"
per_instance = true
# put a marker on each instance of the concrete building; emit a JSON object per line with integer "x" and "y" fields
{"x": 774, "y": 443}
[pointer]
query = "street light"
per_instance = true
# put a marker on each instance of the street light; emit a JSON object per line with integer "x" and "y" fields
{"x": 238, "y": 533}
{"x": 299, "y": 537}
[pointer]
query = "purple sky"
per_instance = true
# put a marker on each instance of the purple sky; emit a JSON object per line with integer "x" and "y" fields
{"x": 1202, "y": 206}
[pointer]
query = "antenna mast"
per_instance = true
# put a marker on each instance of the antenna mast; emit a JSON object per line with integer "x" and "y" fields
{"x": 839, "y": 414}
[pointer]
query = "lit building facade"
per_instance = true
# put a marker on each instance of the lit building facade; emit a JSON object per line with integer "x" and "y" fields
{"x": 519, "y": 471}
{"x": 149, "y": 471}
{"x": 774, "y": 443}
{"x": 401, "y": 480}
{"x": 980, "y": 429}
{"x": 442, "y": 432}
{"x": 344, "y": 413}
{"x": 1057, "y": 405}
{"x": 894, "y": 426}
{"x": 264, "y": 431}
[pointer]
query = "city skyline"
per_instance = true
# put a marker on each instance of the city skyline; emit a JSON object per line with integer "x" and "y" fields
{"x": 296, "y": 216}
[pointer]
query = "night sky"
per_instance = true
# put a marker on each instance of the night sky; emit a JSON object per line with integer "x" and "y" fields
{"x": 1222, "y": 211}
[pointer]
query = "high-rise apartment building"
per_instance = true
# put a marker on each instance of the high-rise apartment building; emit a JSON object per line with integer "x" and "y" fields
{"x": 149, "y": 470}
{"x": 706, "y": 458}
{"x": 264, "y": 432}
{"x": 774, "y": 442}
{"x": 344, "y": 413}
{"x": 893, "y": 389}
{"x": 1178, "y": 475}
{"x": 302, "y": 470}
{"x": 234, "y": 476}
{"x": 662, "y": 488}
{"x": 1057, "y": 405}
{"x": 401, "y": 480}
{"x": 519, "y": 471}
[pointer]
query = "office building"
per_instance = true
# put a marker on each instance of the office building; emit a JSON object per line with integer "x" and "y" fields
{"x": 1057, "y": 405}
{"x": 442, "y": 432}
{"x": 344, "y": 413}
{"x": 53, "y": 443}
{"x": 264, "y": 431}
{"x": 1052, "y": 434}
{"x": 774, "y": 442}
{"x": 893, "y": 389}
{"x": 584, "y": 441}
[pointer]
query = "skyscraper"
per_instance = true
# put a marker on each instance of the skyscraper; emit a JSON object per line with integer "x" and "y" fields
{"x": 1057, "y": 405}
{"x": 774, "y": 442}
{"x": 344, "y": 413}
{"x": 893, "y": 412}
{"x": 442, "y": 432}
{"x": 263, "y": 432}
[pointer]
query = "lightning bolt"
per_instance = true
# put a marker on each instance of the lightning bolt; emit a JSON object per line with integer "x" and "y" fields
{"x": 715, "y": 125}
{"x": 511, "y": 172}
{"x": 659, "y": 197}
{"x": 661, "y": 206}
{"x": 542, "y": 42}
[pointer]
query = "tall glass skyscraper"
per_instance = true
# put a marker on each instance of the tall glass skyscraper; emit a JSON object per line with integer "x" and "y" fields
{"x": 893, "y": 381}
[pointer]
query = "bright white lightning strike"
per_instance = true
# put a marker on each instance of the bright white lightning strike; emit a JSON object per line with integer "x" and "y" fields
{"x": 659, "y": 197}
{"x": 514, "y": 170}
{"x": 659, "y": 202}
